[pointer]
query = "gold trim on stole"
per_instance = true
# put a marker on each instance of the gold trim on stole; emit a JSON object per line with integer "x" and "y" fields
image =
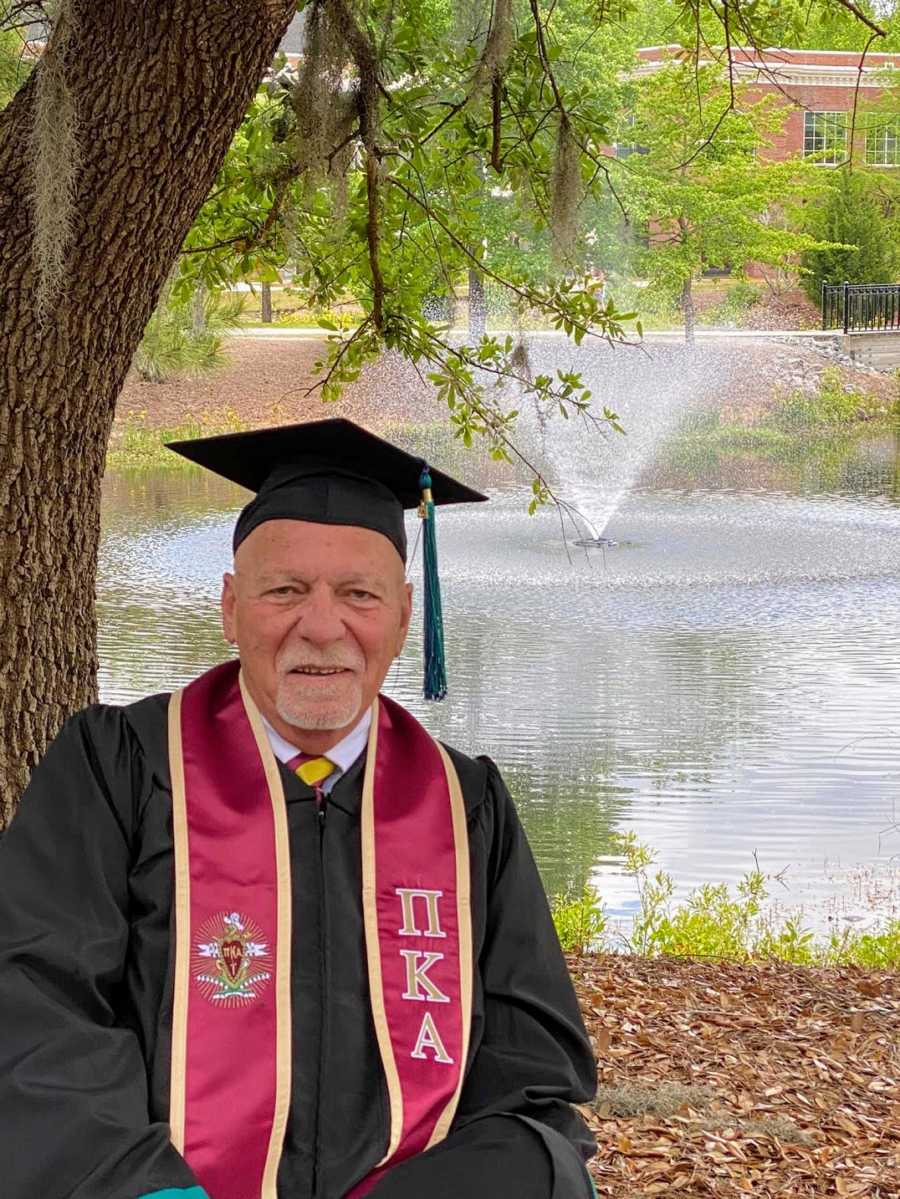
{"x": 464, "y": 933}
{"x": 182, "y": 904}
{"x": 373, "y": 944}
{"x": 283, "y": 940}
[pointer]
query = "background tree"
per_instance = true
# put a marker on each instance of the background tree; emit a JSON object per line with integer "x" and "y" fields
{"x": 700, "y": 182}
{"x": 861, "y": 216}
{"x": 852, "y": 217}
{"x": 794, "y": 24}
{"x": 13, "y": 66}
{"x": 106, "y": 155}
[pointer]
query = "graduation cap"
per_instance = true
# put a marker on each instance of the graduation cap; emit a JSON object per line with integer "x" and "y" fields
{"x": 334, "y": 472}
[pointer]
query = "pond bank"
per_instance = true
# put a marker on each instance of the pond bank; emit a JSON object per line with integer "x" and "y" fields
{"x": 268, "y": 381}
{"x": 719, "y": 1079}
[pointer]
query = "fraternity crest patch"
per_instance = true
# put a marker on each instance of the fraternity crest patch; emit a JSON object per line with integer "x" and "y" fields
{"x": 231, "y": 960}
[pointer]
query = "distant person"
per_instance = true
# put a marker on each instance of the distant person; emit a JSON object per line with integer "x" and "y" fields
{"x": 598, "y": 275}
{"x": 264, "y": 938}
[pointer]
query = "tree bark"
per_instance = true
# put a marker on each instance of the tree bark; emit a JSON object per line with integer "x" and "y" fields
{"x": 687, "y": 311}
{"x": 159, "y": 88}
{"x": 198, "y": 311}
{"x": 266, "y": 290}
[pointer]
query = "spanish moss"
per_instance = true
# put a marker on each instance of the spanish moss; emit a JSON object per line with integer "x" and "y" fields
{"x": 566, "y": 192}
{"x": 498, "y": 44}
{"x": 322, "y": 103}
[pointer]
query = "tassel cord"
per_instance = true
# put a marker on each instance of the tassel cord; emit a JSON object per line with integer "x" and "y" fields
{"x": 435, "y": 666}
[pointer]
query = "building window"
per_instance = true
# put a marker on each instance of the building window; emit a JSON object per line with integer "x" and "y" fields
{"x": 883, "y": 141}
{"x": 625, "y": 149}
{"x": 825, "y": 137}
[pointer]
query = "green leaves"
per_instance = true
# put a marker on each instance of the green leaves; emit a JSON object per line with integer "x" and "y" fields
{"x": 703, "y": 183}
{"x": 446, "y": 163}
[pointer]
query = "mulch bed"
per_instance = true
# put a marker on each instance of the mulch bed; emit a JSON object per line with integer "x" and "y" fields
{"x": 718, "y": 1079}
{"x": 791, "y": 310}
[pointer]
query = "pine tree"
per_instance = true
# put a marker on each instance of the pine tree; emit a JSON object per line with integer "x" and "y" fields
{"x": 853, "y": 218}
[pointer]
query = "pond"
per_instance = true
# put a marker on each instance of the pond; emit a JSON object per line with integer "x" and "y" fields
{"x": 724, "y": 682}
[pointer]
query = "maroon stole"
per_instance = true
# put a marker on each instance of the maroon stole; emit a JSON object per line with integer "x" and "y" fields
{"x": 231, "y": 1022}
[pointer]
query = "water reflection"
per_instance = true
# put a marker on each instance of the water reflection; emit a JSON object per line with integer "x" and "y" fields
{"x": 726, "y": 681}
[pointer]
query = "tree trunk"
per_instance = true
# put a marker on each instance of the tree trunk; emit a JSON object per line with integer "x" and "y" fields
{"x": 198, "y": 310}
{"x": 477, "y": 313}
{"x": 687, "y": 311}
{"x": 267, "y": 303}
{"x": 158, "y": 90}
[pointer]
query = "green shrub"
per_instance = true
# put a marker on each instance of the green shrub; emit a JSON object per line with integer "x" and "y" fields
{"x": 832, "y": 404}
{"x": 874, "y": 951}
{"x": 717, "y": 923}
{"x": 657, "y": 307}
{"x": 789, "y": 942}
{"x": 185, "y": 337}
{"x": 741, "y": 297}
{"x": 854, "y": 218}
{"x": 580, "y": 921}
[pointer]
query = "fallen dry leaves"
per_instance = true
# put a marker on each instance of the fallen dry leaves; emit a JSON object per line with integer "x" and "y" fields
{"x": 718, "y": 1079}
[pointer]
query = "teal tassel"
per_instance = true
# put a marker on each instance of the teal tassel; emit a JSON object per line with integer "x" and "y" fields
{"x": 435, "y": 662}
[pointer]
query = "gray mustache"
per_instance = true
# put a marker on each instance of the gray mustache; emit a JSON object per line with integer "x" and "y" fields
{"x": 341, "y": 664}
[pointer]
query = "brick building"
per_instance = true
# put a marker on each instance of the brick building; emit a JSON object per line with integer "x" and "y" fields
{"x": 818, "y": 87}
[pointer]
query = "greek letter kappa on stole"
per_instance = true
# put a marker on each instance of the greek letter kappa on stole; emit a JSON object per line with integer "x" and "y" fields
{"x": 233, "y": 935}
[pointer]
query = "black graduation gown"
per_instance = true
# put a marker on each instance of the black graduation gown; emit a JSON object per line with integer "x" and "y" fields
{"x": 86, "y": 993}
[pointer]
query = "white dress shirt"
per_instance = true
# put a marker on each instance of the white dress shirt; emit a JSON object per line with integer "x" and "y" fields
{"x": 344, "y": 754}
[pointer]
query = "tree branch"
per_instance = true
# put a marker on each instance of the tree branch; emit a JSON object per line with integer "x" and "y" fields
{"x": 496, "y": 97}
{"x": 372, "y": 239}
{"x": 345, "y": 346}
{"x": 852, "y": 133}
{"x": 862, "y": 17}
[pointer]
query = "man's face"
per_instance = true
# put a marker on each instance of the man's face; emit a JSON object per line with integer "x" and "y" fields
{"x": 318, "y": 613}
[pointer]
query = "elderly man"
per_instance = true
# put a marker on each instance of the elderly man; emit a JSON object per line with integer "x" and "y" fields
{"x": 265, "y": 937}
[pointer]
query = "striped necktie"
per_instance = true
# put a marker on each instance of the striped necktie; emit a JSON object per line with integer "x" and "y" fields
{"x": 310, "y": 770}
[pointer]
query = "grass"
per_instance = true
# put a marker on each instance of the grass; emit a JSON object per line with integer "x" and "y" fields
{"x": 135, "y": 445}
{"x": 668, "y": 1099}
{"x": 138, "y": 445}
{"x": 799, "y": 428}
{"x": 713, "y": 923}
{"x": 289, "y": 312}
{"x": 664, "y": 1099}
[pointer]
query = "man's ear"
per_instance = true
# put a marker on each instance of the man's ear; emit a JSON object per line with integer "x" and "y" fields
{"x": 405, "y": 617}
{"x": 229, "y": 605}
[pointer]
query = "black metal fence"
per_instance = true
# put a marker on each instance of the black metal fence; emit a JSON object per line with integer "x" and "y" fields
{"x": 861, "y": 307}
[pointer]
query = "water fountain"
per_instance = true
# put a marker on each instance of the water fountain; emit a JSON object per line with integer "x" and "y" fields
{"x": 650, "y": 389}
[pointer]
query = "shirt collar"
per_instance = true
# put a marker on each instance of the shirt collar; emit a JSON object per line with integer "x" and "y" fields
{"x": 344, "y": 754}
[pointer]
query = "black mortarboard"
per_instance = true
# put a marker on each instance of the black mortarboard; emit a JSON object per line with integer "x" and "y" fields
{"x": 335, "y": 472}
{"x": 332, "y": 472}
